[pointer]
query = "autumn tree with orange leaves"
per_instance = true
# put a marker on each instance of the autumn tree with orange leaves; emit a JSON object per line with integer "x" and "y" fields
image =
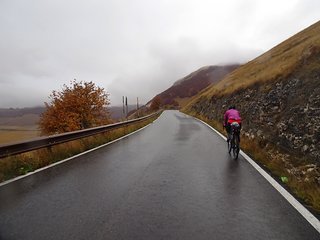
{"x": 78, "y": 106}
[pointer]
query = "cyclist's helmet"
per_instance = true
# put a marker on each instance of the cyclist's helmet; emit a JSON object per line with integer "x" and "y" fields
{"x": 232, "y": 107}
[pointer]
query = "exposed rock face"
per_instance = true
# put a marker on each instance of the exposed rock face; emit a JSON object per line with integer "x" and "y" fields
{"x": 278, "y": 95}
{"x": 285, "y": 112}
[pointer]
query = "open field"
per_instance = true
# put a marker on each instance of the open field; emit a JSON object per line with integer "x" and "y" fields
{"x": 10, "y": 134}
{"x": 17, "y": 125}
{"x": 22, "y": 123}
{"x": 20, "y": 164}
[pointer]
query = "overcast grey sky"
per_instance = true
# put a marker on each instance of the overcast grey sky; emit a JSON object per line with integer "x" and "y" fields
{"x": 136, "y": 48}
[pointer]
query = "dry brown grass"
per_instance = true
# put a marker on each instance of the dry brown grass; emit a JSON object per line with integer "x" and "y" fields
{"x": 308, "y": 192}
{"x": 272, "y": 160}
{"x": 9, "y": 134}
{"x": 182, "y": 101}
{"x": 27, "y": 162}
{"x": 278, "y": 62}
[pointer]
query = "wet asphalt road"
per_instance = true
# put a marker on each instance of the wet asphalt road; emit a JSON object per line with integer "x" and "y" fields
{"x": 172, "y": 180}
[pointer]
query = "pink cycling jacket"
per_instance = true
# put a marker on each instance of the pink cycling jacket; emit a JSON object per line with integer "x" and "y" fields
{"x": 231, "y": 114}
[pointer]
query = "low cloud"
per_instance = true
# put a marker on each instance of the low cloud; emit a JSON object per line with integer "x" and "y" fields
{"x": 133, "y": 48}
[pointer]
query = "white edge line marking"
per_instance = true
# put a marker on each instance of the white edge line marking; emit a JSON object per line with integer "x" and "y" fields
{"x": 294, "y": 202}
{"x": 75, "y": 156}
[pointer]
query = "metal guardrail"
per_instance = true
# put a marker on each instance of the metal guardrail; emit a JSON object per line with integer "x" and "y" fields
{"x": 42, "y": 142}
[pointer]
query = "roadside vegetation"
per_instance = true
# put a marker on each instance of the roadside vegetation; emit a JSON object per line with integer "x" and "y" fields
{"x": 21, "y": 164}
{"x": 278, "y": 95}
{"x": 80, "y": 105}
{"x": 274, "y": 160}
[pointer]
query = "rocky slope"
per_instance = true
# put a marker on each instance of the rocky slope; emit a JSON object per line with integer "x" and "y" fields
{"x": 280, "y": 107}
{"x": 285, "y": 112}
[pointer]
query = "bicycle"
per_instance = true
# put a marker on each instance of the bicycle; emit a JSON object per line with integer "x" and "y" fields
{"x": 234, "y": 140}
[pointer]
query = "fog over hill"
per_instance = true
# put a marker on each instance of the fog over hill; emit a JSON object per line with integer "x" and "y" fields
{"x": 278, "y": 95}
{"x": 31, "y": 116}
{"x": 187, "y": 87}
{"x": 133, "y": 48}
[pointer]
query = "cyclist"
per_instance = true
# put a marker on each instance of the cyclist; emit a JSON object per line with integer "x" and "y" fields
{"x": 230, "y": 116}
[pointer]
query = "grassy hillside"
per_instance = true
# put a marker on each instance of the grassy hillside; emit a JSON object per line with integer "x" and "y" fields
{"x": 182, "y": 90}
{"x": 278, "y": 95}
{"x": 279, "y": 62}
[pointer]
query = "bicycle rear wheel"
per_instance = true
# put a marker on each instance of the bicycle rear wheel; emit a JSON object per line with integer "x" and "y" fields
{"x": 230, "y": 145}
{"x": 235, "y": 148}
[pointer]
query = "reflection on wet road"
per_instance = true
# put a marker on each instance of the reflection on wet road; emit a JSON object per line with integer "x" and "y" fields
{"x": 172, "y": 180}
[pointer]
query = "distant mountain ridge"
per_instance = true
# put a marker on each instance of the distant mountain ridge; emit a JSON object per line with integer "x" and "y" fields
{"x": 18, "y": 112}
{"x": 31, "y": 115}
{"x": 195, "y": 82}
